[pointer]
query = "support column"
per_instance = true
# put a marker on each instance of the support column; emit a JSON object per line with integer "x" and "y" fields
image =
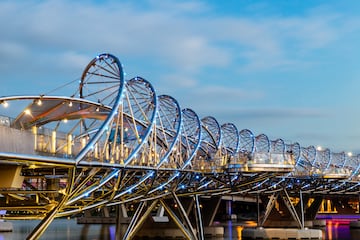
{"x": 198, "y": 215}
{"x": 302, "y": 210}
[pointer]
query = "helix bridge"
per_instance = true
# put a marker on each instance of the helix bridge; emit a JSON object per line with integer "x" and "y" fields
{"x": 115, "y": 142}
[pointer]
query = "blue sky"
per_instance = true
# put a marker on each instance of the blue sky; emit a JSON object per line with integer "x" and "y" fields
{"x": 289, "y": 69}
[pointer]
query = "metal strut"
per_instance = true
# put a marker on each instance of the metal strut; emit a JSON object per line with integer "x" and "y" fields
{"x": 269, "y": 207}
{"x": 292, "y": 210}
{"x": 189, "y": 234}
{"x": 199, "y": 223}
{"x": 184, "y": 215}
{"x": 139, "y": 221}
{"x": 134, "y": 220}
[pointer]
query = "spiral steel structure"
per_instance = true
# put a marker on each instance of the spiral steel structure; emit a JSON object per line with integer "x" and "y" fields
{"x": 120, "y": 142}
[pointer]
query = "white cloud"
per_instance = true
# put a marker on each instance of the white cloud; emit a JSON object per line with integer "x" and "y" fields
{"x": 73, "y": 60}
{"x": 172, "y": 82}
{"x": 10, "y": 52}
{"x": 177, "y": 34}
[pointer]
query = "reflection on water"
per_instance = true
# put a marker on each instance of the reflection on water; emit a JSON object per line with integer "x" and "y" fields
{"x": 63, "y": 229}
{"x": 339, "y": 229}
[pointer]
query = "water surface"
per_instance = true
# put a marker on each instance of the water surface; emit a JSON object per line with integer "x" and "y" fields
{"x": 68, "y": 229}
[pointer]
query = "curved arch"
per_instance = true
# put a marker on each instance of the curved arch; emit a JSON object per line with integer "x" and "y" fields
{"x": 102, "y": 79}
{"x": 247, "y": 141}
{"x": 190, "y": 136}
{"x": 140, "y": 105}
{"x": 309, "y": 154}
{"x": 168, "y": 123}
{"x": 277, "y": 146}
{"x": 262, "y": 144}
{"x": 113, "y": 65}
{"x": 230, "y": 138}
{"x": 295, "y": 150}
{"x": 322, "y": 160}
{"x": 211, "y": 137}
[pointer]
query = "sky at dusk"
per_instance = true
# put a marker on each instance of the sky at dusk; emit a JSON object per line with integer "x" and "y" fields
{"x": 289, "y": 69}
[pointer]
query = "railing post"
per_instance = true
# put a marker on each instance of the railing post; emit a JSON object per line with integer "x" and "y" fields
{"x": 35, "y": 132}
{"x": 69, "y": 144}
{"x": 53, "y": 142}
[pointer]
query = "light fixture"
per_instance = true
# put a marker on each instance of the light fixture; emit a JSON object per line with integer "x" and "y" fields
{"x": 27, "y": 111}
{"x": 5, "y": 104}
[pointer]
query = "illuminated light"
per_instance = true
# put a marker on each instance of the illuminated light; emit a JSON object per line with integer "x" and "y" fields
{"x": 39, "y": 102}
{"x": 65, "y": 120}
{"x": 5, "y": 104}
{"x": 319, "y": 148}
{"x": 27, "y": 111}
{"x": 32, "y": 166}
{"x": 70, "y": 104}
{"x": 97, "y": 109}
{"x": 350, "y": 154}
